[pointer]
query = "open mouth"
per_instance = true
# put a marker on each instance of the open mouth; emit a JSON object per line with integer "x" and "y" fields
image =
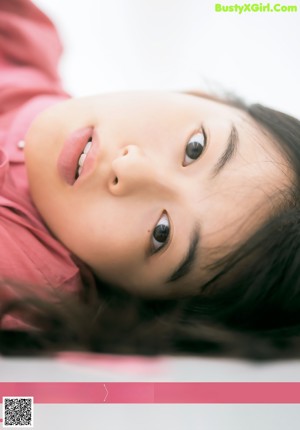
{"x": 82, "y": 158}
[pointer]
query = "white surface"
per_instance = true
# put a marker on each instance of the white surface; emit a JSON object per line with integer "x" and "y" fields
{"x": 167, "y": 417}
{"x": 175, "y": 44}
{"x": 166, "y": 369}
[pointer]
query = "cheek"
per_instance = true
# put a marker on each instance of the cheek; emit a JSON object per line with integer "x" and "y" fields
{"x": 113, "y": 260}
{"x": 99, "y": 236}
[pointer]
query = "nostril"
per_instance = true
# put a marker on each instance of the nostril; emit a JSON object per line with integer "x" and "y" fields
{"x": 116, "y": 180}
{"x": 125, "y": 152}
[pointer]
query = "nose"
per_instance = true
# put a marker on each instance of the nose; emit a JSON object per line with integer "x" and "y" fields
{"x": 133, "y": 171}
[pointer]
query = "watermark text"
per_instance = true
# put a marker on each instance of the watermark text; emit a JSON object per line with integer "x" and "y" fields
{"x": 255, "y": 7}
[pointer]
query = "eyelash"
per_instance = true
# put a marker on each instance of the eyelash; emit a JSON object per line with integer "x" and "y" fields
{"x": 164, "y": 216}
{"x": 203, "y": 146}
{"x": 165, "y": 231}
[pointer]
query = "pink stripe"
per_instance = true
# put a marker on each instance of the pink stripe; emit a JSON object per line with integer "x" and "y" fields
{"x": 160, "y": 392}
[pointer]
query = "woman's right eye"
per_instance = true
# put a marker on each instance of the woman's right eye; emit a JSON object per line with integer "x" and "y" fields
{"x": 161, "y": 233}
{"x": 194, "y": 148}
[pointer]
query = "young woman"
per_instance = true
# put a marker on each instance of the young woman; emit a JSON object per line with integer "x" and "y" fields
{"x": 143, "y": 222}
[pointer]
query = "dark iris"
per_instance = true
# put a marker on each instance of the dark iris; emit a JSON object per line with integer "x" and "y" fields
{"x": 161, "y": 233}
{"x": 194, "y": 150}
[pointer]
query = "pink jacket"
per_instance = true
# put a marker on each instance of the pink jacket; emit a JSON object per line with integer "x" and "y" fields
{"x": 29, "y": 55}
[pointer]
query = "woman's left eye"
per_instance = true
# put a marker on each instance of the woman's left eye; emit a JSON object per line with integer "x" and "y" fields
{"x": 194, "y": 148}
{"x": 161, "y": 233}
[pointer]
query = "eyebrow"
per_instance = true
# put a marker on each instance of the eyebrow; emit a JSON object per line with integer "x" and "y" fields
{"x": 230, "y": 151}
{"x": 185, "y": 266}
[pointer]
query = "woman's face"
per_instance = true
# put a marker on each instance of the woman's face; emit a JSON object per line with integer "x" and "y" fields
{"x": 169, "y": 183}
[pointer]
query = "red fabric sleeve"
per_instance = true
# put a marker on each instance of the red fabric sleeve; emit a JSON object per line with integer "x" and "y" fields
{"x": 29, "y": 54}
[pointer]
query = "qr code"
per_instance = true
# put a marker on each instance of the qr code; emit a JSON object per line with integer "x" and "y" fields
{"x": 18, "y": 411}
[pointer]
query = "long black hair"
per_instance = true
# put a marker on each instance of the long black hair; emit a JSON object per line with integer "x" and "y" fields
{"x": 250, "y": 308}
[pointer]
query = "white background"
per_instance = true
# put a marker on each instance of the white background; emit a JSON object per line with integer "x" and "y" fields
{"x": 113, "y": 45}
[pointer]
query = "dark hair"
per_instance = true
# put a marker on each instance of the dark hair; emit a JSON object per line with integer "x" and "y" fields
{"x": 249, "y": 309}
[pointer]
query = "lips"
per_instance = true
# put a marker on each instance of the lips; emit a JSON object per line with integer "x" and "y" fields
{"x": 74, "y": 145}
